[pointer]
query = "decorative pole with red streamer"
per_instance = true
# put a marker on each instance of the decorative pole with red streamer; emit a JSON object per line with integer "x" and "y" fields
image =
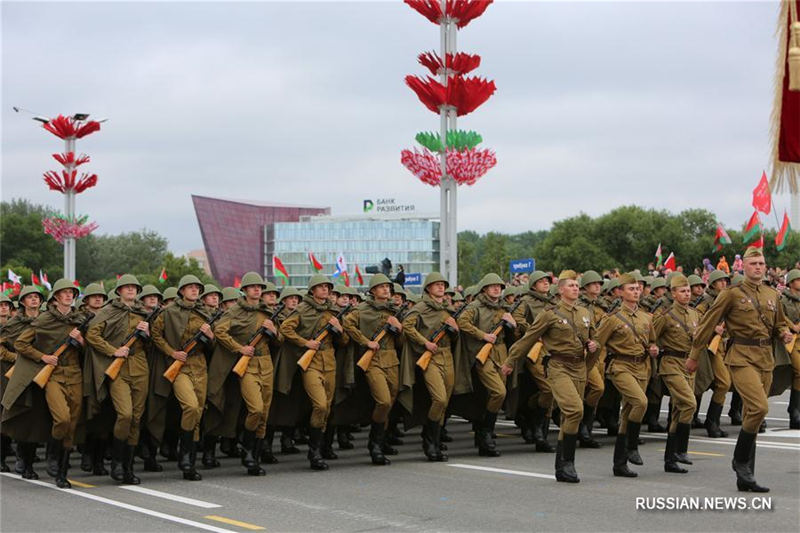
{"x": 459, "y": 161}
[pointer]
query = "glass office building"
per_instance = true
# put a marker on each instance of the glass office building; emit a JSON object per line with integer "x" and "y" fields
{"x": 411, "y": 241}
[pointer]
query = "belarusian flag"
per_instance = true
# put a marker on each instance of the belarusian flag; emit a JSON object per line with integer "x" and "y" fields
{"x": 162, "y": 278}
{"x": 758, "y": 243}
{"x": 237, "y": 282}
{"x": 753, "y": 228}
{"x": 670, "y": 262}
{"x": 279, "y": 271}
{"x": 359, "y": 277}
{"x": 659, "y": 256}
{"x": 346, "y": 277}
{"x": 316, "y": 265}
{"x": 721, "y": 238}
{"x": 780, "y": 238}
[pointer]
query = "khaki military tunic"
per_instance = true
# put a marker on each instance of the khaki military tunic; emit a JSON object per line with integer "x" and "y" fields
{"x": 791, "y": 308}
{"x": 531, "y": 305}
{"x": 595, "y": 379}
{"x": 674, "y": 330}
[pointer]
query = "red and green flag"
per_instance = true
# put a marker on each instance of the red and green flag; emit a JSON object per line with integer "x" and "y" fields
{"x": 237, "y": 282}
{"x": 670, "y": 262}
{"x": 359, "y": 277}
{"x": 279, "y": 271}
{"x": 758, "y": 243}
{"x": 780, "y": 238}
{"x": 316, "y": 265}
{"x": 162, "y": 278}
{"x": 753, "y": 228}
{"x": 346, "y": 277}
{"x": 659, "y": 256}
{"x": 721, "y": 238}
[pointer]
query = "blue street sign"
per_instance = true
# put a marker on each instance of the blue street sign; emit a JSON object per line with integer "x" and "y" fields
{"x": 517, "y": 266}
{"x": 414, "y": 278}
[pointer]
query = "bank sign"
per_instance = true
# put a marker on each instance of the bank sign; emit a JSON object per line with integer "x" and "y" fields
{"x": 518, "y": 266}
{"x": 387, "y": 205}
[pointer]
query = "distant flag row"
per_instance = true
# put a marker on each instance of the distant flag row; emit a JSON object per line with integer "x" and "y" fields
{"x": 340, "y": 272}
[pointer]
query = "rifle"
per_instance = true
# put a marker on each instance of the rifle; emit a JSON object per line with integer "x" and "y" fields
{"x": 534, "y": 352}
{"x": 425, "y": 359}
{"x": 116, "y": 365}
{"x": 241, "y": 365}
{"x": 305, "y": 361}
{"x": 366, "y": 359}
{"x": 484, "y": 352}
{"x": 790, "y": 345}
{"x": 175, "y": 368}
{"x": 44, "y": 374}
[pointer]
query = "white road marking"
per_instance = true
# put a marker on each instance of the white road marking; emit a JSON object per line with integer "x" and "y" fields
{"x": 502, "y": 471}
{"x": 731, "y": 442}
{"x": 129, "y": 507}
{"x": 167, "y": 496}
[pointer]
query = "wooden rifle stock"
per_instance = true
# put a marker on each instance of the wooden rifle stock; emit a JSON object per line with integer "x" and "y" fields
{"x": 483, "y": 353}
{"x": 366, "y": 359}
{"x": 43, "y": 376}
{"x": 116, "y": 365}
{"x": 790, "y": 345}
{"x": 305, "y": 360}
{"x": 175, "y": 368}
{"x": 9, "y": 373}
{"x": 536, "y": 349}
{"x": 425, "y": 359}
{"x": 713, "y": 346}
{"x": 241, "y": 365}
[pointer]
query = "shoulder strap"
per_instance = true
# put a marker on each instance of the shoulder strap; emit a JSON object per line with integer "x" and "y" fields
{"x": 643, "y": 342}
{"x": 682, "y": 324}
{"x": 570, "y": 322}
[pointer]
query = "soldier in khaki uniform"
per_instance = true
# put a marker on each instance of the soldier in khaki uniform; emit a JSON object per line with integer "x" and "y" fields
{"x": 591, "y": 284}
{"x": 421, "y": 323}
{"x": 790, "y": 299}
{"x": 173, "y": 328}
{"x": 230, "y": 295}
{"x": 151, "y": 299}
{"x": 717, "y": 281}
{"x": 477, "y": 323}
{"x": 675, "y": 330}
{"x": 382, "y": 376}
{"x": 310, "y": 318}
{"x": 248, "y": 317}
{"x": 628, "y": 338}
{"x": 106, "y": 338}
{"x": 63, "y": 391}
{"x": 753, "y": 316}
{"x": 534, "y": 418}
{"x": 566, "y": 331}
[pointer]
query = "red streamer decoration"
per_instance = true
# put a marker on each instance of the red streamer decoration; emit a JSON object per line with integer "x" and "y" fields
{"x": 67, "y": 181}
{"x": 463, "y": 94}
{"x": 460, "y": 64}
{"x": 465, "y": 167}
{"x": 60, "y": 228}
{"x": 70, "y": 159}
{"x": 68, "y": 128}
{"x": 461, "y": 11}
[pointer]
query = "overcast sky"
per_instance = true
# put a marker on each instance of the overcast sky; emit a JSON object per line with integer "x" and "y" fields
{"x": 663, "y": 105}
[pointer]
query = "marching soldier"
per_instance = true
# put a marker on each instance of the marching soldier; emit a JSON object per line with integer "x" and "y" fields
{"x": 362, "y": 325}
{"x": 476, "y": 324}
{"x": 674, "y": 330}
{"x": 591, "y": 284}
{"x": 628, "y": 337}
{"x": 753, "y": 317}
{"x": 106, "y": 338}
{"x": 319, "y": 381}
{"x": 211, "y": 296}
{"x": 170, "y": 294}
{"x": 63, "y": 392}
{"x": 148, "y": 448}
{"x": 791, "y": 307}
{"x": 566, "y": 331}
{"x": 230, "y": 295}
{"x": 173, "y": 328}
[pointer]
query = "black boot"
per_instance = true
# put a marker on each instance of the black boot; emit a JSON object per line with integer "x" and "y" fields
{"x": 735, "y": 410}
{"x": 255, "y": 469}
{"x": 151, "y": 461}
{"x": 169, "y": 446}
{"x": 486, "y": 445}
{"x": 327, "y": 452}
{"x": 612, "y": 421}
{"x": 386, "y": 443}
{"x": 301, "y": 435}
{"x": 209, "y": 458}
{"x": 444, "y": 436}
{"x": 118, "y": 448}
{"x": 696, "y": 423}
{"x": 651, "y": 415}
{"x": 267, "y": 457}
{"x": 633, "y": 442}
{"x": 565, "y": 459}
{"x": 541, "y": 425}
{"x": 712, "y": 421}
{"x": 585, "y": 429}
{"x": 670, "y": 459}
{"x": 375, "y": 444}
{"x": 314, "y": 445}
{"x": 428, "y": 443}
{"x": 26, "y": 451}
{"x": 794, "y": 409}
{"x": 436, "y": 436}
{"x": 682, "y": 444}
{"x": 87, "y": 449}
{"x": 185, "y": 447}
{"x": 248, "y": 444}
{"x": 392, "y": 436}
{"x": 525, "y": 426}
{"x": 341, "y": 438}
{"x": 5, "y": 451}
{"x": 230, "y": 447}
{"x": 51, "y": 451}
{"x": 621, "y": 457}
{"x": 743, "y": 463}
{"x": 129, "y": 478}
{"x": 287, "y": 443}
{"x": 98, "y": 457}
{"x": 63, "y": 465}
{"x": 191, "y": 473}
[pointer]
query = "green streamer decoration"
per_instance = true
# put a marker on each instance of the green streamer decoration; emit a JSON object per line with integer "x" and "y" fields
{"x": 458, "y": 139}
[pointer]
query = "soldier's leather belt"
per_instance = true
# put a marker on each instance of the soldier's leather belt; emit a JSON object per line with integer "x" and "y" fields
{"x": 628, "y": 358}
{"x": 751, "y": 342}
{"x": 566, "y": 358}
{"x": 673, "y": 353}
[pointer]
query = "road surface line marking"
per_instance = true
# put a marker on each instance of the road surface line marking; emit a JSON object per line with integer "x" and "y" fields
{"x": 502, "y": 470}
{"x": 167, "y": 496}
{"x": 233, "y": 522}
{"x": 732, "y": 442}
{"x": 129, "y": 507}
{"x": 765, "y": 418}
{"x": 702, "y": 453}
{"x": 81, "y": 485}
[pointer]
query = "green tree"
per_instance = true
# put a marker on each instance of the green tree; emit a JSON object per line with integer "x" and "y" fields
{"x": 23, "y": 242}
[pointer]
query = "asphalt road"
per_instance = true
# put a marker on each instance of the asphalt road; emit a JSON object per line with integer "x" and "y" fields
{"x": 515, "y": 492}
